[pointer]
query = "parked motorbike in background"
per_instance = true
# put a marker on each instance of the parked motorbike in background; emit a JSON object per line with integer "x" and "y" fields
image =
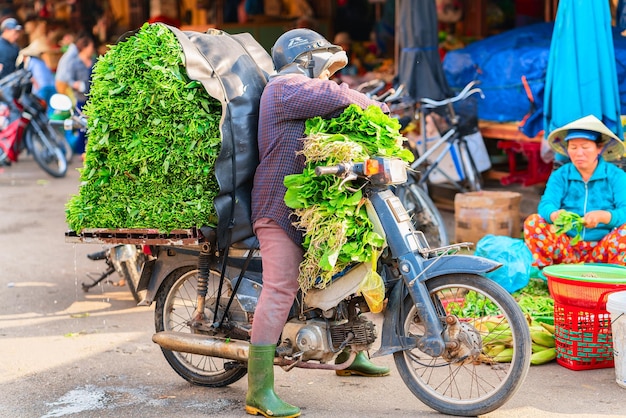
{"x": 24, "y": 126}
{"x": 423, "y": 211}
{"x": 127, "y": 261}
{"x": 67, "y": 121}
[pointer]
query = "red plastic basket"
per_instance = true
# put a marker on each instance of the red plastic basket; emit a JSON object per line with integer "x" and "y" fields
{"x": 583, "y": 337}
{"x": 582, "y": 323}
{"x": 585, "y": 285}
{"x": 590, "y": 295}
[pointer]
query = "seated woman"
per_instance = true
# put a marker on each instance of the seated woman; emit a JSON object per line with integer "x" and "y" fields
{"x": 587, "y": 186}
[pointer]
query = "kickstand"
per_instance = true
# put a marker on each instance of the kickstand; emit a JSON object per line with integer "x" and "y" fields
{"x": 110, "y": 270}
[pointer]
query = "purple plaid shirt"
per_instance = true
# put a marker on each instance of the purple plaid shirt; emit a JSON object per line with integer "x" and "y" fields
{"x": 287, "y": 102}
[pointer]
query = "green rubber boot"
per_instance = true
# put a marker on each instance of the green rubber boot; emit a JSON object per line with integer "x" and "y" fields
{"x": 261, "y": 399}
{"x": 361, "y": 366}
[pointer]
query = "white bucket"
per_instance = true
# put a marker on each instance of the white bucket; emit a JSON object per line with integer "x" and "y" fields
{"x": 616, "y": 306}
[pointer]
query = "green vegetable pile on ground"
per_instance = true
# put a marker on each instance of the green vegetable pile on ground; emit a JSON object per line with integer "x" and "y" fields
{"x": 566, "y": 221}
{"x": 338, "y": 232}
{"x": 474, "y": 305}
{"x": 535, "y": 299}
{"x": 153, "y": 138}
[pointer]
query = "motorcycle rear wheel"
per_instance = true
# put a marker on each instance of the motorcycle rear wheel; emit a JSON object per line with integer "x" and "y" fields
{"x": 45, "y": 151}
{"x": 463, "y": 387}
{"x": 175, "y": 306}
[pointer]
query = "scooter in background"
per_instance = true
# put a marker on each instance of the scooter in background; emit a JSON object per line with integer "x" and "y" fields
{"x": 67, "y": 121}
{"x": 127, "y": 261}
{"x": 24, "y": 126}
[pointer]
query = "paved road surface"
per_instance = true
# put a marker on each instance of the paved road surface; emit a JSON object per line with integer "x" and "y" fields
{"x": 66, "y": 353}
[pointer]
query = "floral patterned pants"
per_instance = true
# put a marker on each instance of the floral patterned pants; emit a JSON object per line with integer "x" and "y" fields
{"x": 549, "y": 248}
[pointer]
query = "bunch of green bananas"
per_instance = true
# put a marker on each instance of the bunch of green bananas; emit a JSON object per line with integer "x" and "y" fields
{"x": 544, "y": 346}
{"x": 498, "y": 341}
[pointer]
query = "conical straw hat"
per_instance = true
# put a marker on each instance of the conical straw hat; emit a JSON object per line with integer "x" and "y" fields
{"x": 613, "y": 147}
{"x": 36, "y": 48}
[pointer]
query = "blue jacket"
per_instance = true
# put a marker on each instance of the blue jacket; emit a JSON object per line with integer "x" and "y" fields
{"x": 605, "y": 190}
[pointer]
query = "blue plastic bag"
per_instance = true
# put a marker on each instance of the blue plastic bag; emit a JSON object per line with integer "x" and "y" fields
{"x": 513, "y": 254}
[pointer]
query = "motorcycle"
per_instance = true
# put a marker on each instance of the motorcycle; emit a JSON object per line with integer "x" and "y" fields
{"x": 126, "y": 260}
{"x": 24, "y": 125}
{"x": 442, "y": 319}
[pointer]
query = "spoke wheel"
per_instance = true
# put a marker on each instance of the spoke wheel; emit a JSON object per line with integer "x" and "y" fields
{"x": 467, "y": 386}
{"x": 175, "y": 307}
{"x": 45, "y": 151}
{"x": 425, "y": 216}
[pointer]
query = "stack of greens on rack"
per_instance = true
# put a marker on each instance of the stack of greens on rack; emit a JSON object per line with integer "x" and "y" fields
{"x": 153, "y": 138}
{"x": 338, "y": 232}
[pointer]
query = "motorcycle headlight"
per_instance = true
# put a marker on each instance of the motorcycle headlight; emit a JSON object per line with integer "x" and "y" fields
{"x": 382, "y": 170}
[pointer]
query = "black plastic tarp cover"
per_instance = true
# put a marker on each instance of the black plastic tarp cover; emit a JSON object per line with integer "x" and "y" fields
{"x": 420, "y": 68}
{"x": 234, "y": 70}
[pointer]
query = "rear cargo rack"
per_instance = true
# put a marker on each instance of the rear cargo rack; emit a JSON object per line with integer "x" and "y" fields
{"x": 191, "y": 236}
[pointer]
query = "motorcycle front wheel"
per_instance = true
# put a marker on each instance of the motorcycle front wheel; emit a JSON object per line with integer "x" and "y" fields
{"x": 45, "y": 151}
{"x": 175, "y": 307}
{"x": 128, "y": 261}
{"x": 460, "y": 385}
{"x": 58, "y": 132}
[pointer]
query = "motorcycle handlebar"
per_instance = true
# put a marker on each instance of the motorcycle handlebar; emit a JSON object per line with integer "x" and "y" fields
{"x": 467, "y": 91}
{"x": 323, "y": 170}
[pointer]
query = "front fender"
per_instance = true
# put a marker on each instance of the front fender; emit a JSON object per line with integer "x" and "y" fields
{"x": 391, "y": 341}
{"x": 458, "y": 263}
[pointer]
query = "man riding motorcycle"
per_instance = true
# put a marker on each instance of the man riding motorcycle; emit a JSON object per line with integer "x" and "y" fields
{"x": 304, "y": 61}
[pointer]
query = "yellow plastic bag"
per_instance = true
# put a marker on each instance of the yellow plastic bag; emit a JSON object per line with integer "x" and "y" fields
{"x": 373, "y": 288}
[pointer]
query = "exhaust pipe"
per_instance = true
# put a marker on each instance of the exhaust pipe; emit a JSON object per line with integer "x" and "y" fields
{"x": 203, "y": 345}
{"x": 237, "y": 350}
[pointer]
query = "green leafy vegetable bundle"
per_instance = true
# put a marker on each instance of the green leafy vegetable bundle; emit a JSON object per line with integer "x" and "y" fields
{"x": 536, "y": 305}
{"x": 337, "y": 229}
{"x": 153, "y": 138}
{"x": 566, "y": 221}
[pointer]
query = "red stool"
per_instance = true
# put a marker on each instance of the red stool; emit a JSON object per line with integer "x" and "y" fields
{"x": 537, "y": 171}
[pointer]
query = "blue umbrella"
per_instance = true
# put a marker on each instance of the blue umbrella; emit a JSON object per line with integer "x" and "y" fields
{"x": 581, "y": 77}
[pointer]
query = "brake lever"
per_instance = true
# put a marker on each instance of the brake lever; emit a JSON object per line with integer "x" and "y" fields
{"x": 349, "y": 177}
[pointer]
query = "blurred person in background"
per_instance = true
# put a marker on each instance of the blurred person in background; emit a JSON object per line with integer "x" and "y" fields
{"x": 79, "y": 75}
{"x": 61, "y": 77}
{"x": 353, "y": 70}
{"x": 80, "y": 69}
{"x": 11, "y": 31}
{"x": 43, "y": 78}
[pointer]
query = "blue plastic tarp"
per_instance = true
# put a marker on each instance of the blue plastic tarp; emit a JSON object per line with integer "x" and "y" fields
{"x": 500, "y": 61}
